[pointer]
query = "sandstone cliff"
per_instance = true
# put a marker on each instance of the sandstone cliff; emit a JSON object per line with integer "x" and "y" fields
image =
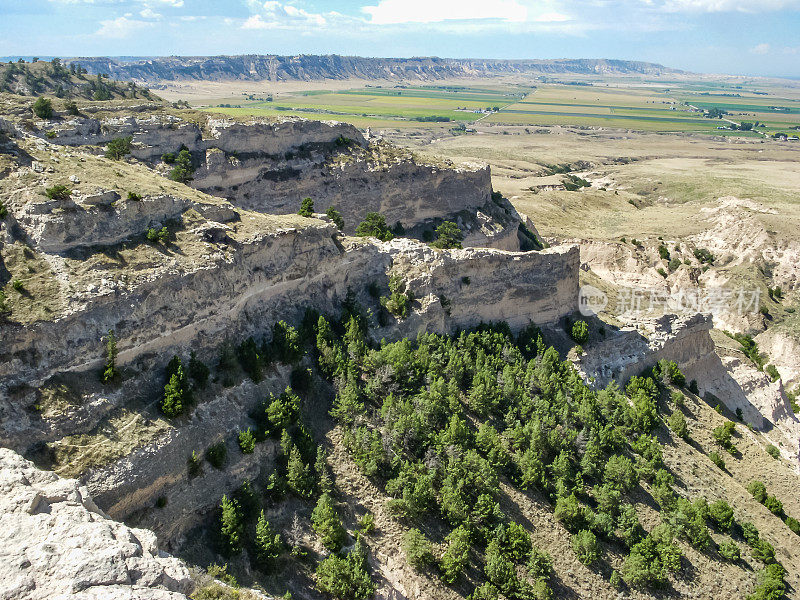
{"x": 58, "y": 544}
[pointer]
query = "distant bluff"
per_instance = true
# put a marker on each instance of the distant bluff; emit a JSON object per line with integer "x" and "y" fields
{"x": 307, "y": 67}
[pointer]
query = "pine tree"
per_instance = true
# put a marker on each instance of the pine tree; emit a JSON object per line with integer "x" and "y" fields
{"x": 306, "y": 208}
{"x": 110, "y": 371}
{"x": 298, "y": 474}
{"x": 327, "y": 524}
{"x": 231, "y": 527}
{"x": 268, "y": 543}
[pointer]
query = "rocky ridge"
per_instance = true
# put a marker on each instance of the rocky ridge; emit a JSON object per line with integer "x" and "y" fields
{"x": 307, "y": 67}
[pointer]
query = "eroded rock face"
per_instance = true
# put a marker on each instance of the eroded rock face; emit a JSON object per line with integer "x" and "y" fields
{"x": 56, "y": 544}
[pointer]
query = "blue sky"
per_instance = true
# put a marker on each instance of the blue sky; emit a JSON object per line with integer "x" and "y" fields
{"x": 751, "y": 37}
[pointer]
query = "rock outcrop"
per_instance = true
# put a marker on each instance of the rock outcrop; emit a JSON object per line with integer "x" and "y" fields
{"x": 56, "y": 544}
{"x": 305, "y": 67}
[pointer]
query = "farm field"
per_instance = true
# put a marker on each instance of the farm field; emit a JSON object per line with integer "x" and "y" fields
{"x": 632, "y": 104}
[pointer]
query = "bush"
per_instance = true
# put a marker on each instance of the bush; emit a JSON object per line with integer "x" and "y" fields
{"x": 43, "y": 108}
{"x": 758, "y": 491}
{"x": 176, "y": 394}
{"x": 58, "y": 192}
{"x": 168, "y": 158}
{"x": 216, "y": 455}
{"x": 677, "y": 422}
{"x": 72, "y": 108}
{"x": 327, "y": 524}
{"x": 231, "y": 525}
{"x": 729, "y": 551}
{"x": 456, "y": 556}
{"x": 133, "y": 196}
{"x": 287, "y": 345}
{"x": 194, "y": 465}
{"x": 586, "y": 547}
{"x": 157, "y": 235}
{"x": 267, "y": 543}
{"x": 499, "y": 570}
{"x": 663, "y": 252}
{"x": 346, "y": 578}
{"x": 198, "y": 371}
{"x": 374, "y": 225}
{"x": 110, "y": 372}
{"x": 119, "y": 147}
{"x": 335, "y": 216}
{"x": 678, "y": 399}
{"x": 540, "y": 564}
{"x": 722, "y": 435}
{"x": 773, "y": 451}
{"x": 774, "y": 505}
{"x": 306, "y": 208}
{"x": 721, "y": 514}
{"x": 717, "y": 460}
{"x": 580, "y": 332}
{"x": 704, "y": 256}
{"x": 793, "y": 524}
{"x": 247, "y": 441}
{"x": 399, "y": 300}
{"x": 620, "y": 473}
{"x": 183, "y": 170}
{"x": 448, "y": 235}
{"x": 771, "y": 585}
{"x": 366, "y": 524}
{"x": 417, "y": 549}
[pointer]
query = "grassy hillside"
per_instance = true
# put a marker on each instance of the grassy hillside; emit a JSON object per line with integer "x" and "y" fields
{"x": 54, "y": 79}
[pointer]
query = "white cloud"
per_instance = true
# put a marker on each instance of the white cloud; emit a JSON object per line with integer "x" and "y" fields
{"x": 285, "y": 15}
{"x": 120, "y": 27}
{"x": 749, "y": 6}
{"x": 552, "y": 17}
{"x": 760, "y": 49}
{"x": 391, "y": 12}
{"x": 149, "y": 13}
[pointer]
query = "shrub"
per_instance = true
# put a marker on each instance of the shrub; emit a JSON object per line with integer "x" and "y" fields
{"x": 110, "y": 370}
{"x": 580, "y": 332}
{"x": 722, "y": 434}
{"x": 772, "y": 371}
{"x": 717, "y": 460}
{"x": 663, "y": 252}
{"x": 774, "y": 505}
{"x": 771, "y": 585}
{"x": 306, "y": 208}
{"x": 216, "y": 455}
{"x": 721, "y": 514}
{"x": 194, "y": 465}
{"x": 540, "y": 564}
{"x": 586, "y": 547}
{"x": 448, "y": 235}
{"x": 729, "y": 551}
{"x": 374, "y": 225}
{"x": 267, "y": 543}
{"x": 485, "y": 591}
{"x": 773, "y": 451}
{"x": 678, "y": 399}
{"x": 399, "y": 300}
{"x": 133, "y": 196}
{"x": 287, "y": 345}
{"x": 693, "y": 387}
{"x": 249, "y": 358}
{"x": 327, "y": 524}
{"x": 72, "y": 108}
{"x": 247, "y": 441}
{"x": 499, "y": 570}
{"x": 198, "y": 371}
{"x": 677, "y": 422}
{"x": 176, "y": 394}
{"x": 119, "y": 147}
{"x": 183, "y": 170}
{"x": 662, "y": 272}
{"x": 43, "y": 108}
{"x": 793, "y": 524}
{"x": 674, "y": 264}
{"x": 168, "y": 158}
{"x": 758, "y": 491}
{"x": 456, "y": 555}
{"x": 157, "y": 235}
{"x": 704, "y": 256}
{"x": 620, "y": 473}
{"x": 335, "y": 216}
{"x": 58, "y": 192}
{"x": 417, "y": 549}
{"x": 231, "y": 525}
{"x": 346, "y": 578}
{"x": 161, "y": 502}
{"x": 366, "y": 524}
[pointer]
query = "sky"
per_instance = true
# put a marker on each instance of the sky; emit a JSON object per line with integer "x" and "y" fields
{"x": 741, "y": 37}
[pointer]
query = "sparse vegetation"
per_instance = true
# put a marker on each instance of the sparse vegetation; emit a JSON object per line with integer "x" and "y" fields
{"x": 58, "y": 192}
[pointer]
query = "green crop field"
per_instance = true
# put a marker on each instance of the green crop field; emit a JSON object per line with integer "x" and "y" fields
{"x": 626, "y": 104}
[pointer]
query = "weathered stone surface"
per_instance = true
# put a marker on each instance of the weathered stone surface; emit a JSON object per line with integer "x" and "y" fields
{"x": 56, "y": 543}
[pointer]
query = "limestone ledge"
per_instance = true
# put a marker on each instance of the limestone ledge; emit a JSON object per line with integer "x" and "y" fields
{"x": 56, "y": 544}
